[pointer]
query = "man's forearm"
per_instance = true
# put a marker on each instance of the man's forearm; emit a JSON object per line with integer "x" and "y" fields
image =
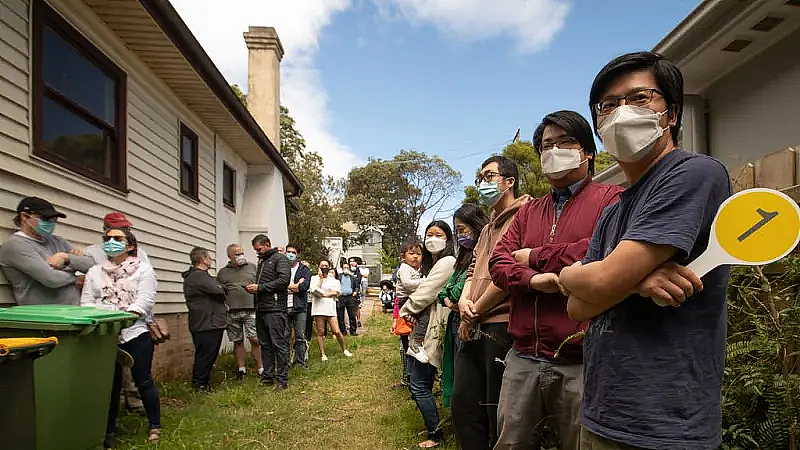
{"x": 580, "y": 310}
{"x": 492, "y": 297}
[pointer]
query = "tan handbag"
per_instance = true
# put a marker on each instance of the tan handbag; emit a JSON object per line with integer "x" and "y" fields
{"x": 159, "y": 331}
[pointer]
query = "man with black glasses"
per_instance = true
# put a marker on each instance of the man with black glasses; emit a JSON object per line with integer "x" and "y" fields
{"x": 543, "y": 378}
{"x": 652, "y": 373}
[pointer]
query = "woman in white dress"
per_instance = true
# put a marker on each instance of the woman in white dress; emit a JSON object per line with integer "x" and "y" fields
{"x": 324, "y": 290}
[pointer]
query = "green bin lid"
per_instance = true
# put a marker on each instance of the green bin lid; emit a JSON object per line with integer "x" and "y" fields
{"x": 61, "y": 315}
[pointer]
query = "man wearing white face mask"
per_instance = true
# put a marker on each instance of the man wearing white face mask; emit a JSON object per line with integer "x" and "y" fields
{"x": 241, "y": 308}
{"x": 543, "y": 378}
{"x": 653, "y": 374}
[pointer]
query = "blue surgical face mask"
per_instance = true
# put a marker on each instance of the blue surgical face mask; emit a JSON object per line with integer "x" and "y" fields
{"x": 44, "y": 227}
{"x": 291, "y": 257}
{"x": 113, "y": 247}
{"x": 488, "y": 193}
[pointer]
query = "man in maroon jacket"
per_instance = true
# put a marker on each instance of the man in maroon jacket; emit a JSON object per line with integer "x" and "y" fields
{"x": 543, "y": 376}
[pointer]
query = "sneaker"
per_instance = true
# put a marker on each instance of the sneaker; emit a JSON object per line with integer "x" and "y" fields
{"x": 260, "y": 371}
{"x": 355, "y": 333}
{"x": 420, "y": 355}
{"x": 347, "y": 354}
{"x": 359, "y": 324}
{"x": 268, "y": 381}
{"x": 324, "y": 358}
{"x": 240, "y": 374}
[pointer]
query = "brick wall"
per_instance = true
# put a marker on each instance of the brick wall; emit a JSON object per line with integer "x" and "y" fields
{"x": 173, "y": 359}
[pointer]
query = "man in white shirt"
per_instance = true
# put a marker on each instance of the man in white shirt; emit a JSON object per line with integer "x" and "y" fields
{"x": 297, "y": 302}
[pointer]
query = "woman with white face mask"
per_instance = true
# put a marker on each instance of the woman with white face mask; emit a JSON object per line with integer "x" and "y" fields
{"x": 438, "y": 262}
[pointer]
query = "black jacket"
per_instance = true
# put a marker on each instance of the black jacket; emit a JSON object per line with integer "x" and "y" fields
{"x": 272, "y": 277}
{"x": 205, "y": 299}
{"x": 300, "y": 301}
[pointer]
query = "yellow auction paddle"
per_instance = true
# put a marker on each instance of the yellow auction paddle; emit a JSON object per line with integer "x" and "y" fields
{"x": 752, "y": 227}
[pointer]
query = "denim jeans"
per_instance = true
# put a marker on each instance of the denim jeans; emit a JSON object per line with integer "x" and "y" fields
{"x": 421, "y": 389}
{"x": 141, "y": 349}
{"x": 297, "y": 322}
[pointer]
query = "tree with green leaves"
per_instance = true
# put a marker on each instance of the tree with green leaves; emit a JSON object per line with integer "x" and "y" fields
{"x": 316, "y": 216}
{"x": 396, "y": 194}
{"x": 602, "y": 161}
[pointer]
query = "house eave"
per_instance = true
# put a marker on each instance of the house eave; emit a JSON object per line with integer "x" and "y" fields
{"x": 178, "y": 32}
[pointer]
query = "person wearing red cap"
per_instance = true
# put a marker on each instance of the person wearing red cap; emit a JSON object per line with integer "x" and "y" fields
{"x": 114, "y": 220}
{"x": 118, "y": 220}
{"x": 41, "y": 266}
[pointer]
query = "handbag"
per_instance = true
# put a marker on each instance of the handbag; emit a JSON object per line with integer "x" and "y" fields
{"x": 159, "y": 331}
{"x": 403, "y": 328}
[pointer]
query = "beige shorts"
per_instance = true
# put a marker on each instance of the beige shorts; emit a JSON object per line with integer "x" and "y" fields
{"x": 241, "y": 323}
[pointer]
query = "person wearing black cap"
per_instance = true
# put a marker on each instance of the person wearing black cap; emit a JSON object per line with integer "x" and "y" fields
{"x": 41, "y": 266}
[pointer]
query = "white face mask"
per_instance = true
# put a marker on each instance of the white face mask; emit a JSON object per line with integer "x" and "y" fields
{"x": 435, "y": 245}
{"x": 558, "y": 162}
{"x": 630, "y": 132}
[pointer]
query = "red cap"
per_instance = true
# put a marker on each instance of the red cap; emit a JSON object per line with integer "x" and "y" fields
{"x": 116, "y": 220}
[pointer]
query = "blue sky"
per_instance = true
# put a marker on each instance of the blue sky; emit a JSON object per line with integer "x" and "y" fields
{"x": 366, "y": 78}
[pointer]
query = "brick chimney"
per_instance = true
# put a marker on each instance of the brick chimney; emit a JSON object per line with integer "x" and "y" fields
{"x": 263, "y": 79}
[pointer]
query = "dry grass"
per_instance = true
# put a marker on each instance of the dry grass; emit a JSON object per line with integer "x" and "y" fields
{"x": 345, "y": 404}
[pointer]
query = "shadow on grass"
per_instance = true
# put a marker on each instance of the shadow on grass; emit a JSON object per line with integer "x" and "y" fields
{"x": 345, "y": 403}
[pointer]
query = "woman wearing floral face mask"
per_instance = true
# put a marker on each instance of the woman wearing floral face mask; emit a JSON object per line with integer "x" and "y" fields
{"x": 437, "y": 266}
{"x": 124, "y": 283}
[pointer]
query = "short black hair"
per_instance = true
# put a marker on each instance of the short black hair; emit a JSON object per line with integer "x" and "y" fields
{"x": 507, "y": 167}
{"x": 197, "y": 255}
{"x": 576, "y": 127}
{"x": 668, "y": 78}
{"x": 261, "y": 239}
{"x": 294, "y": 246}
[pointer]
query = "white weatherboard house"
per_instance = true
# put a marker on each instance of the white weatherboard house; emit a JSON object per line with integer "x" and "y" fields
{"x": 113, "y": 105}
{"x": 741, "y": 67}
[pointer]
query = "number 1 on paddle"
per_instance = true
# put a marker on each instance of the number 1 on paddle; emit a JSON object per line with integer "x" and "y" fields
{"x": 765, "y": 218}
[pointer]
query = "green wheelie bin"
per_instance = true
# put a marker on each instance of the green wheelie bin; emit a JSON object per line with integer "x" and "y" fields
{"x": 72, "y": 386}
{"x": 17, "y": 406}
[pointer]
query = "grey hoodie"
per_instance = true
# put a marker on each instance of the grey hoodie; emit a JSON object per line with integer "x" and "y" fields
{"x": 24, "y": 262}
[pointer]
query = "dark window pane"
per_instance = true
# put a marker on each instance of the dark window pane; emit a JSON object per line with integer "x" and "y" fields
{"x": 186, "y": 180}
{"x": 66, "y": 70}
{"x": 69, "y": 136}
{"x": 187, "y": 150}
{"x": 228, "y": 185}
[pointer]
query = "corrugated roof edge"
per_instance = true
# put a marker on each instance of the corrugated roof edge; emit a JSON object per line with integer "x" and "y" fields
{"x": 178, "y": 32}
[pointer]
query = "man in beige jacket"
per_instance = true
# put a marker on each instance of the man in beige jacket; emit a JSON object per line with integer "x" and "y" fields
{"x": 484, "y": 314}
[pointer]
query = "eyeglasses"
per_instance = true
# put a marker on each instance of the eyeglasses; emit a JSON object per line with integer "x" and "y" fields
{"x": 487, "y": 176}
{"x": 565, "y": 142}
{"x": 107, "y": 238}
{"x": 641, "y": 97}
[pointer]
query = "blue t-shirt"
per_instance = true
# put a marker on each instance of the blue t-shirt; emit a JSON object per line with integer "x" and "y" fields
{"x": 347, "y": 285}
{"x": 653, "y": 375}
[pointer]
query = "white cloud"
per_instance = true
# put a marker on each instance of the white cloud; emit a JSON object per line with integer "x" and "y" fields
{"x": 531, "y": 23}
{"x": 219, "y": 25}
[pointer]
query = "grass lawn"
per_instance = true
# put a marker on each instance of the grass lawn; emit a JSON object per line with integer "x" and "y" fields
{"x": 346, "y": 403}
